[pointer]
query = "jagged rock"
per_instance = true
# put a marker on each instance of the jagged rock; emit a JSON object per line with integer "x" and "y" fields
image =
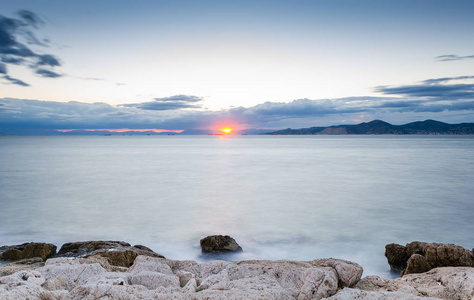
{"x": 397, "y": 256}
{"x": 435, "y": 255}
{"x": 119, "y": 253}
{"x": 417, "y": 264}
{"x": 27, "y": 250}
{"x": 150, "y": 264}
{"x": 443, "y": 283}
{"x": 219, "y": 243}
{"x": 349, "y": 273}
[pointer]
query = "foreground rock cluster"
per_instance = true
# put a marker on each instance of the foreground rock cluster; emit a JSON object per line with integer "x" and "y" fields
{"x": 91, "y": 270}
{"x": 419, "y": 257}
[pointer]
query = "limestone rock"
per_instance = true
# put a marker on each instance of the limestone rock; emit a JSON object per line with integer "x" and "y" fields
{"x": 159, "y": 278}
{"x": 119, "y": 253}
{"x": 33, "y": 277}
{"x": 21, "y": 265}
{"x": 72, "y": 270}
{"x": 54, "y": 284}
{"x": 27, "y": 250}
{"x": 372, "y": 283}
{"x": 443, "y": 283}
{"x": 350, "y": 294}
{"x": 155, "y": 280}
{"x": 348, "y": 272}
{"x": 103, "y": 291}
{"x": 435, "y": 255}
{"x": 219, "y": 243}
{"x": 317, "y": 284}
{"x": 151, "y": 264}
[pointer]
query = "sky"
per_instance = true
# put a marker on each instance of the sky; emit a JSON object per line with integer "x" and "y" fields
{"x": 182, "y": 65}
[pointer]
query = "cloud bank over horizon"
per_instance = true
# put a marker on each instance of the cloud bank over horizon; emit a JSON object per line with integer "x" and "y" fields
{"x": 447, "y": 99}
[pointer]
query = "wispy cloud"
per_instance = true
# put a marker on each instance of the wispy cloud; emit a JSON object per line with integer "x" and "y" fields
{"x": 452, "y": 57}
{"x": 47, "y": 73}
{"x": 169, "y": 103}
{"x": 15, "y": 40}
{"x": 440, "y": 89}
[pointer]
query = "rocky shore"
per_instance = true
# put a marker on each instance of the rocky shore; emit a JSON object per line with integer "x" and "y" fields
{"x": 117, "y": 270}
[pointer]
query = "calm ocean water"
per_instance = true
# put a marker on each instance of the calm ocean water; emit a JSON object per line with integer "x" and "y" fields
{"x": 280, "y": 197}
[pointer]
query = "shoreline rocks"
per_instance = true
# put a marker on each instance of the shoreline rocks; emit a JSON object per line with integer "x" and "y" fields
{"x": 27, "y": 250}
{"x": 88, "y": 270}
{"x": 120, "y": 254}
{"x": 419, "y": 257}
{"x": 160, "y": 278}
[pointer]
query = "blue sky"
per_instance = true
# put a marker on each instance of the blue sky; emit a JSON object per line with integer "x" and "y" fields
{"x": 250, "y": 64}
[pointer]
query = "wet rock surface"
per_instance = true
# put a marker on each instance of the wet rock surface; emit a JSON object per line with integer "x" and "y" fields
{"x": 419, "y": 257}
{"x": 27, "y": 250}
{"x": 119, "y": 253}
{"x": 219, "y": 243}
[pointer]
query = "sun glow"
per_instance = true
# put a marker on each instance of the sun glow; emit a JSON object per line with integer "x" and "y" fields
{"x": 226, "y": 130}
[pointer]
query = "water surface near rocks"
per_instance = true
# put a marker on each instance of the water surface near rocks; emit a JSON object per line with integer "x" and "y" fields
{"x": 280, "y": 197}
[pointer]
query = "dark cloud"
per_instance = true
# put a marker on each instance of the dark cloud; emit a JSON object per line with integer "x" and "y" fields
{"x": 3, "y": 68}
{"x": 400, "y": 104}
{"x": 15, "y": 81}
{"x": 161, "y": 105}
{"x": 30, "y": 18}
{"x": 451, "y": 57}
{"x": 15, "y": 36}
{"x": 48, "y": 60}
{"x": 446, "y": 79}
{"x": 47, "y": 73}
{"x": 180, "y": 98}
{"x": 12, "y": 60}
{"x": 439, "y": 89}
{"x": 169, "y": 103}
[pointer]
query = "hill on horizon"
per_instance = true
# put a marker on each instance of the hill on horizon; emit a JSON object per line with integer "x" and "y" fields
{"x": 382, "y": 127}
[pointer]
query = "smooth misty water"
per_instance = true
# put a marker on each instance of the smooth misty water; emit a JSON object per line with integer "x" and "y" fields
{"x": 280, "y": 197}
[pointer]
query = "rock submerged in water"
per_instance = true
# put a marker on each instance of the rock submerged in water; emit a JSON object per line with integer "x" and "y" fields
{"x": 27, "y": 250}
{"x": 120, "y": 254}
{"x": 419, "y": 257}
{"x": 219, "y": 244}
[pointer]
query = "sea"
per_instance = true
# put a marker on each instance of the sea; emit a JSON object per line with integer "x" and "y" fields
{"x": 281, "y": 197}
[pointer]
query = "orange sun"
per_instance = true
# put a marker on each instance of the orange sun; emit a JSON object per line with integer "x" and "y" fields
{"x": 226, "y": 130}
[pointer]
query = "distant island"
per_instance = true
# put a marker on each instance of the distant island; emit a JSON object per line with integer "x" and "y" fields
{"x": 381, "y": 127}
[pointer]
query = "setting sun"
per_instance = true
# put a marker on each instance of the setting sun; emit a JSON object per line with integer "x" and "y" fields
{"x": 226, "y": 130}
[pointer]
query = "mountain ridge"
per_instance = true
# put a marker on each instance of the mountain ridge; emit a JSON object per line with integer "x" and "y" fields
{"x": 381, "y": 127}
